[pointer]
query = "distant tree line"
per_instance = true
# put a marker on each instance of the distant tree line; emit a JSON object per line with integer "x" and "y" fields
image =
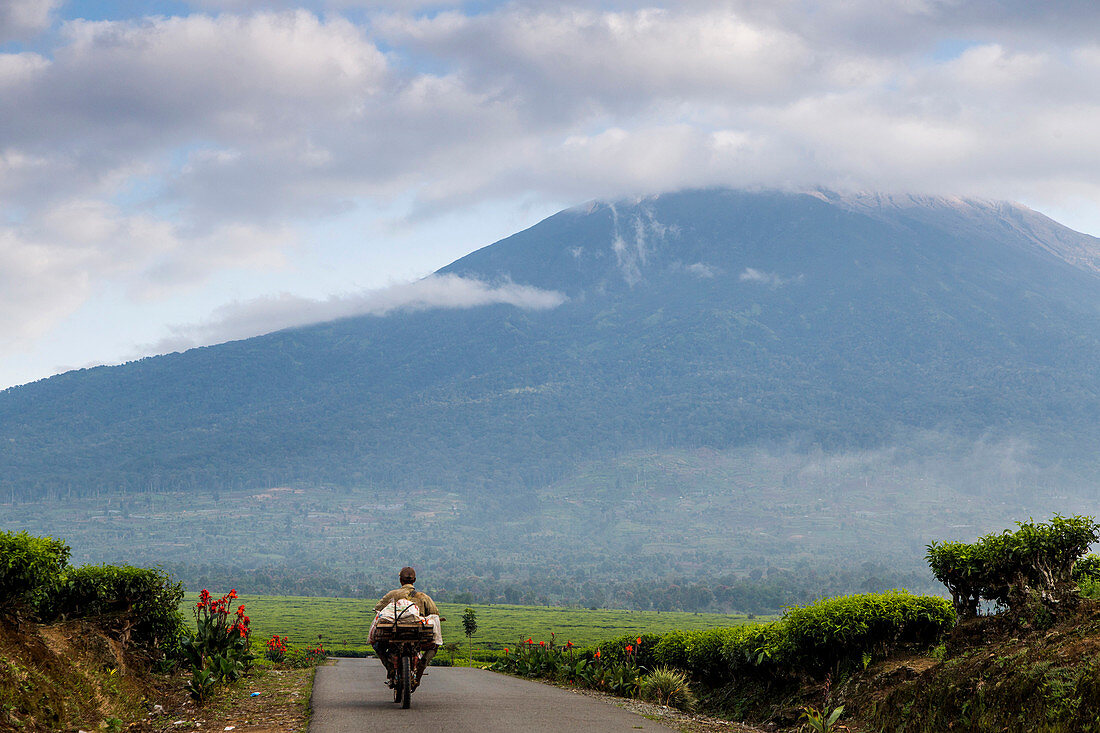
{"x": 721, "y": 594}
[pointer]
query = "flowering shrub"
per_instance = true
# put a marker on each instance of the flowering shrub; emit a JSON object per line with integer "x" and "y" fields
{"x": 567, "y": 664}
{"x": 220, "y": 650}
{"x": 276, "y": 648}
{"x": 837, "y": 632}
{"x": 316, "y": 653}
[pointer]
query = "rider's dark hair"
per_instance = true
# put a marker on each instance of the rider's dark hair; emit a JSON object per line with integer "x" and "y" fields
{"x": 408, "y": 575}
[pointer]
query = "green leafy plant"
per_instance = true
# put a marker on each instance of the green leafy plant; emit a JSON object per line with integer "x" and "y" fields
{"x": 617, "y": 674}
{"x": 822, "y": 721}
{"x": 469, "y": 627}
{"x": 1037, "y": 561}
{"x": 1087, "y": 568}
{"x": 30, "y": 569}
{"x": 220, "y": 651}
{"x": 837, "y": 631}
{"x": 144, "y": 602}
{"x": 202, "y": 683}
{"x": 667, "y": 686}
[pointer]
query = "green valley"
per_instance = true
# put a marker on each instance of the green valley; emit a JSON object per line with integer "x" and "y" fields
{"x": 343, "y": 623}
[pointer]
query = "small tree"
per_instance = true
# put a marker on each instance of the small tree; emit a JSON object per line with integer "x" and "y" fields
{"x": 469, "y": 626}
{"x": 1015, "y": 568}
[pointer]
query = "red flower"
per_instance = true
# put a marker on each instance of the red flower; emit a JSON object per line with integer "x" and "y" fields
{"x": 529, "y": 641}
{"x": 542, "y": 643}
{"x": 505, "y": 650}
{"x": 639, "y": 641}
{"x": 597, "y": 654}
{"x": 629, "y": 649}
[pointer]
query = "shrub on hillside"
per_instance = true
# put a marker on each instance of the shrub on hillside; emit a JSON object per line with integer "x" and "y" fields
{"x": 705, "y": 650}
{"x": 1015, "y": 568}
{"x": 642, "y": 649}
{"x": 839, "y": 631}
{"x": 30, "y": 568}
{"x": 1087, "y": 568}
{"x": 814, "y": 638}
{"x": 144, "y": 600}
{"x": 672, "y": 649}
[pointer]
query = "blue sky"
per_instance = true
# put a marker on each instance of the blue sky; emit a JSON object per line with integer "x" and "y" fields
{"x": 181, "y": 173}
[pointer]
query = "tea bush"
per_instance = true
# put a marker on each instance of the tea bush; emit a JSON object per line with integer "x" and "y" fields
{"x": 706, "y": 651}
{"x": 838, "y": 631}
{"x": 1087, "y": 568}
{"x": 146, "y": 600}
{"x": 829, "y": 634}
{"x": 1015, "y": 568}
{"x": 672, "y": 649}
{"x": 30, "y": 568}
{"x": 813, "y": 638}
{"x": 642, "y": 653}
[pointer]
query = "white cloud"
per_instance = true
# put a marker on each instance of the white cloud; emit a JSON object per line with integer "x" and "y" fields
{"x": 281, "y": 116}
{"x": 264, "y": 315}
{"x": 146, "y": 154}
{"x": 21, "y": 19}
{"x": 272, "y": 86}
{"x": 53, "y": 261}
{"x": 701, "y": 270}
{"x": 770, "y": 279}
{"x": 640, "y": 55}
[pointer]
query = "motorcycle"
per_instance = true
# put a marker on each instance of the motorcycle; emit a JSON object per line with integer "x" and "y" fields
{"x": 407, "y": 641}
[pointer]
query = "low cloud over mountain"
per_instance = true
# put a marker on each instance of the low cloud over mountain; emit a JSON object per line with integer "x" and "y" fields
{"x": 242, "y": 320}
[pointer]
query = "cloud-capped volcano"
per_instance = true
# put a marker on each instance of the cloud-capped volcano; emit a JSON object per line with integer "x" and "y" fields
{"x": 710, "y": 318}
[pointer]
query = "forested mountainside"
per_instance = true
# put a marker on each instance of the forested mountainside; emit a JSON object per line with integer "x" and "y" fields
{"x": 709, "y": 318}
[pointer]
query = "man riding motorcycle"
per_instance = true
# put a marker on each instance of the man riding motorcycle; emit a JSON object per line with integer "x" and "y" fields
{"x": 424, "y": 604}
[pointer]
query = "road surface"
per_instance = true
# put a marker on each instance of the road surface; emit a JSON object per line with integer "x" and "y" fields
{"x": 351, "y": 696}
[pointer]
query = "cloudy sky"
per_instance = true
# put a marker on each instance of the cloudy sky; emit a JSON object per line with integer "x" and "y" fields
{"x": 184, "y": 172}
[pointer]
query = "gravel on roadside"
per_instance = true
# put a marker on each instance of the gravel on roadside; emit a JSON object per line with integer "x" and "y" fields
{"x": 673, "y": 718}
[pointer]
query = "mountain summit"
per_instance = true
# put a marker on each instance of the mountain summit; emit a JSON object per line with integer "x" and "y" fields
{"x": 709, "y": 318}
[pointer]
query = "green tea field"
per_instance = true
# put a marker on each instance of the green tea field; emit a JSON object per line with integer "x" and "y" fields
{"x": 343, "y": 623}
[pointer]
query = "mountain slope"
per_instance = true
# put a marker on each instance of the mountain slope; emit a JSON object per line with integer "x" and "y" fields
{"x": 704, "y": 318}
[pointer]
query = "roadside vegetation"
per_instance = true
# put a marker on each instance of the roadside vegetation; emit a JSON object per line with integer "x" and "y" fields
{"x": 1015, "y": 650}
{"x": 108, "y": 647}
{"x": 342, "y": 624}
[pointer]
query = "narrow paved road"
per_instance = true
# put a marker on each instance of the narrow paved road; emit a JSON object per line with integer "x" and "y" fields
{"x": 352, "y": 696}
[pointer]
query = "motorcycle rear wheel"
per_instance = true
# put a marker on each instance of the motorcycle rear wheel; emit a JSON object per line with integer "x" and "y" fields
{"x": 406, "y": 682}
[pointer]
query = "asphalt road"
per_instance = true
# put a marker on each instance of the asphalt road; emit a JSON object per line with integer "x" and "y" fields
{"x": 351, "y": 695}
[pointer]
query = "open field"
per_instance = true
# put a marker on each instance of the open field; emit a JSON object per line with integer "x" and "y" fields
{"x": 343, "y": 623}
